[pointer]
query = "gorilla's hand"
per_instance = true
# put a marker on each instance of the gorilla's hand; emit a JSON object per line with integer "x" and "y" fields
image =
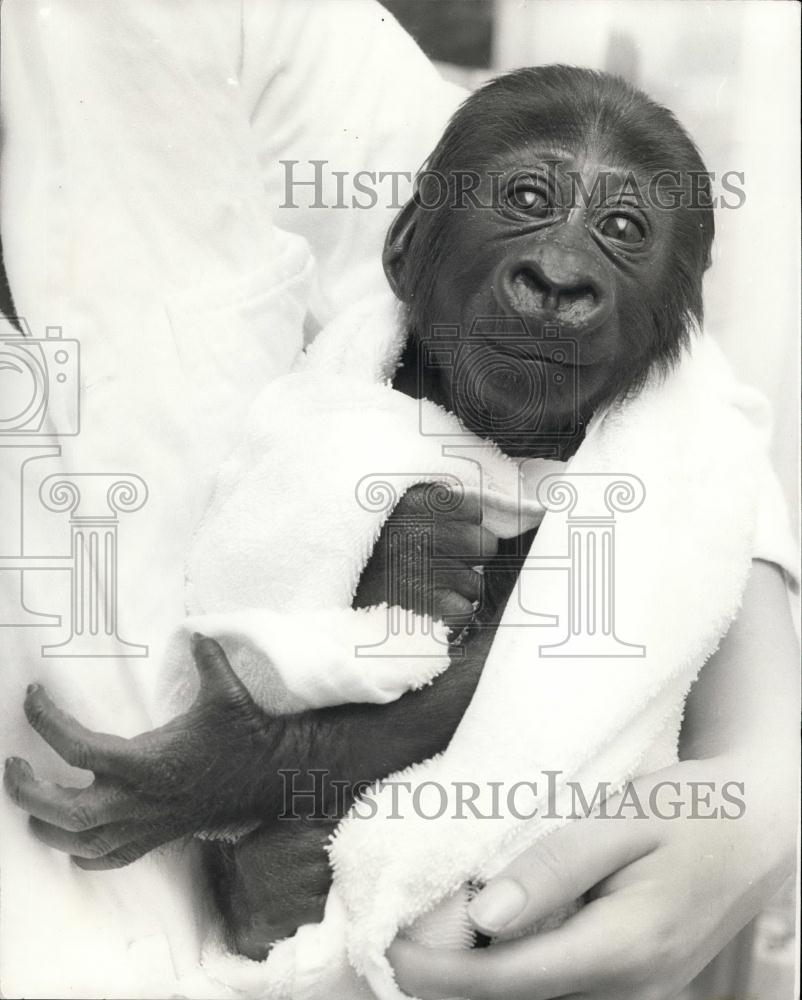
{"x": 199, "y": 771}
{"x": 274, "y": 880}
{"x": 225, "y": 762}
{"x": 400, "y": 569}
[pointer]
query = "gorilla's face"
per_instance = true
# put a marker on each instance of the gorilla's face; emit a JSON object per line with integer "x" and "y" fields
{"x": 556, "y": 273}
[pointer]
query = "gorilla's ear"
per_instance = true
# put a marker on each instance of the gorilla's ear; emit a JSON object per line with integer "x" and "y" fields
{"x": 396, "y": 246}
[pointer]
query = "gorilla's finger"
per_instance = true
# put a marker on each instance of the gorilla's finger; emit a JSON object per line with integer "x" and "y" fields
{"x": 79, "y": 746}
{"x": 123, "y": 856}
{"x": 69, "y": 808}
{"x": 465, "y": 582}
{"x": 468, "y": 543}
{"x": 217, "y": 676}
{"x": 94, "y": 843}
{"x": 453, "y": 608}
{"x": 465, "y": 505}
{"x": 441, "y": 499}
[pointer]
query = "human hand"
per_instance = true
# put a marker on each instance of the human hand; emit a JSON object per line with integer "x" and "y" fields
{"x": 199, "y": 771}
{"x": 419, "y": 530}
{"x": 665, "y": 896}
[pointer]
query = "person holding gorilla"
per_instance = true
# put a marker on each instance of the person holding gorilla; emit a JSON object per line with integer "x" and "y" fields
{"x": 625, "y": 280}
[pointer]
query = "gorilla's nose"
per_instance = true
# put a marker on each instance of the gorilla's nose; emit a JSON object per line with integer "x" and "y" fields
{"x": 556, "y": 284}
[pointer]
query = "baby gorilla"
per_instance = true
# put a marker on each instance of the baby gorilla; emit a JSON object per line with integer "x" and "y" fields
{"x": 560, "y": 234}
{"x": 561, "y": 228}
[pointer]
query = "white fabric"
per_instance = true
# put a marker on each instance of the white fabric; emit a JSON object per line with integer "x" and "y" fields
{"x": 285, "y": 674}
{"x": 139, "y": 179}
{"x": 140, "y": 187}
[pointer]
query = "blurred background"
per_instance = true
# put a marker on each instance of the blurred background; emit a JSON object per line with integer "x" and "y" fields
{"x": 730, "y": 72}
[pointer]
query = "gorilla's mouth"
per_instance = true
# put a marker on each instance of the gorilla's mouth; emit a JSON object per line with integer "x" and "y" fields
{"x": 551, "y": 352}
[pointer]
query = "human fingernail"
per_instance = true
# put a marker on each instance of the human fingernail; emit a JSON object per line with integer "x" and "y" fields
{"x": 500, "y": 902}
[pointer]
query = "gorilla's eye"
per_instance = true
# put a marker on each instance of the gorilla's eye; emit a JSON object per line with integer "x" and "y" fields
{"x": 622, "y": 229}
{"x": 525, "y": 195}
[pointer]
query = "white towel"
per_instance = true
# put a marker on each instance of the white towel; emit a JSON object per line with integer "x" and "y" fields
{"x": 290, "y": 529}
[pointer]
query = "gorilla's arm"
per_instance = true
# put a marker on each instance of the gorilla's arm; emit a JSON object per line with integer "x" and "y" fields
{"x": 226, "y": 762}
{"x": 220, "y": 763}
{"x": 277, "y": 878}
{"x": 359, "y": 743}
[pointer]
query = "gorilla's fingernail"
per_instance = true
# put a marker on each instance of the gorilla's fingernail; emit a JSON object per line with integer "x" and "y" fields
{"x": 500, "y": 902}
{"x": 33, "y": 688}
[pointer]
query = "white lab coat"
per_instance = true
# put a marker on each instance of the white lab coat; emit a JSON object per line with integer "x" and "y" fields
{"x": 140, "y": 212}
